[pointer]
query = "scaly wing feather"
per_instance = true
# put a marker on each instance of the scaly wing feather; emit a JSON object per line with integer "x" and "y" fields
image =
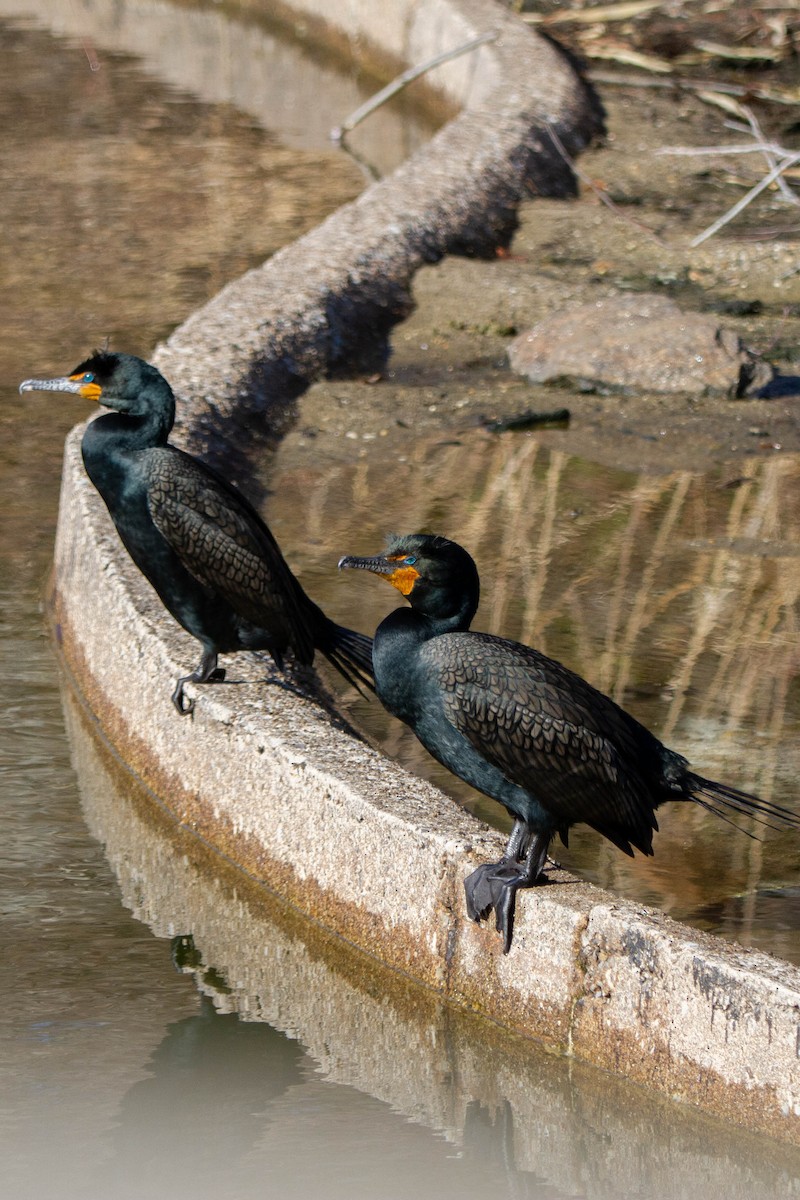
{"x": 549, "y": 732}
{"x": 225, "y": 545}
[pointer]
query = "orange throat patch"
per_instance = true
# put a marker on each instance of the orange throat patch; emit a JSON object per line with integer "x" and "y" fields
{"x": 89, "y": 391}
{"x": 404, "y": 579}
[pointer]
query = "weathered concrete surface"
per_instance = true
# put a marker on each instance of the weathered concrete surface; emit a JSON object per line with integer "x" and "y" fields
{"x": 269, "y": 780}
{"x": 585, "y": 1132}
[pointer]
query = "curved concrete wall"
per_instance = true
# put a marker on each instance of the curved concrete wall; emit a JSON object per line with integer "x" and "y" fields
{"x": 328, "y": 301}
{"x": 584, "y": 1131}
{"x": 280, "y": 787}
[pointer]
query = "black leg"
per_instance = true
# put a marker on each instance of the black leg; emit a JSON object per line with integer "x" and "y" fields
{"x": 206, "y": 672}
{"x": 526, "y": 878}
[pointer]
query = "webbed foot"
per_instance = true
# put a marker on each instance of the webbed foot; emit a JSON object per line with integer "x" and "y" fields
{"x": 484, "y": 887}
{"x": 495, "y": 886}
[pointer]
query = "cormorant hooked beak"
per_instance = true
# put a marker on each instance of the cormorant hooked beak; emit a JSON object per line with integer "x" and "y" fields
{"x": 400, "y": 572}
{"x": 378, "y": 565}
{"x": 79, "y": 385}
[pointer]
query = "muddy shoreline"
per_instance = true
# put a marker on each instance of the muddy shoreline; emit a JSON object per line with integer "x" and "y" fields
{"x": 448, "y": 368}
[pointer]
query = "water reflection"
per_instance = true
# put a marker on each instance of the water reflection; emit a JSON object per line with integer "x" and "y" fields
{"x": 204, "y": 1104}
{"x": 359, "y": 1087}
{"x": 272, "y": 69}
{"x": 340, "y": 1071}
{"x": 676, "y": 594}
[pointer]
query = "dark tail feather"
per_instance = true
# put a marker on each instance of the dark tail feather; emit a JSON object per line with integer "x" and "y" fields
{"x": 723, "y": 800}
{"x": 351, "y": 654}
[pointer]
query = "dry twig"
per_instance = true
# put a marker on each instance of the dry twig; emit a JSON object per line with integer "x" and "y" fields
{"x": 601, "y": 193}
{"x": 778, "y": 159}
{"x": 701, "y": 86}
{"x": 403, "y": 81}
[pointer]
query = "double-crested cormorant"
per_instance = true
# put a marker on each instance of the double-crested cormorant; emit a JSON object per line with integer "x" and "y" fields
{"x": 521, "y": 728}
{"x": 205, "y": 550}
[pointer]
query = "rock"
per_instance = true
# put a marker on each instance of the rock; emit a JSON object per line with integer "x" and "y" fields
{"x": 636, "y": 342}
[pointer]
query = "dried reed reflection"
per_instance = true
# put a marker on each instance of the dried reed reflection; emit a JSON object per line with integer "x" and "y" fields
{"x": 676, "y": 594}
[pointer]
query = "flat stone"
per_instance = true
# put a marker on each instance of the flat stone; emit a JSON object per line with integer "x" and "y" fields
{"x": 637, "y": 342}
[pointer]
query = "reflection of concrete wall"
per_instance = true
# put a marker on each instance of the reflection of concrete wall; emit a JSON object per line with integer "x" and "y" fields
{"x": 240, "y": 62}
{"x": 266, "y": 778}
{"x": 369, "y": 1028}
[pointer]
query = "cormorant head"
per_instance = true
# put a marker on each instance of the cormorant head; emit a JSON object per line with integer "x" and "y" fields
{"x": 120, "y": 381}
{"x": 437, "y": 577}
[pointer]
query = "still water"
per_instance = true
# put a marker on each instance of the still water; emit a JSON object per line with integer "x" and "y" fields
{"x": 676, "y": 594}
{"x": 238, "y": 1053}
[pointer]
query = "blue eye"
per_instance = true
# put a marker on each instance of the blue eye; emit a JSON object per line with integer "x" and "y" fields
{"x": 409, "y": 562}
{"x": 88, "y": 377}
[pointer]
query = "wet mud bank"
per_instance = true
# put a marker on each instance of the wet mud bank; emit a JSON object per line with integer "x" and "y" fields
{"x": 266, "y": 776}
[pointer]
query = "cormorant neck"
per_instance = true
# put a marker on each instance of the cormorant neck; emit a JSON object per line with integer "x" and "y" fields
{"x": 442, "y": 610}
{"x": 426, "y": 625}
{"x": 132, "y": 431}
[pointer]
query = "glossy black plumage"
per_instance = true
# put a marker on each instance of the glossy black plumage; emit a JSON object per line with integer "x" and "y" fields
{"x": 203, "y": 547}
{"x": 521, "y": 727}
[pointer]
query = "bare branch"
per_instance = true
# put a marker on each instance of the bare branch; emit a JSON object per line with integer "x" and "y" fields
{"x": 768, "y": 179}
{"x": 601, "y": 193}
{"x": 773, "y": 154}
{"x": 403, "y": 81}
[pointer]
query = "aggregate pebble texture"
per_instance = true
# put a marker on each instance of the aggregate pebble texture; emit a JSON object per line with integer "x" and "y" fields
{"x": 271, "y": 779}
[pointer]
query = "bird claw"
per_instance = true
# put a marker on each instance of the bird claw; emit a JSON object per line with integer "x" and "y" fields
{"x": 504, "y": 913}
{"x": 186, "y": 707}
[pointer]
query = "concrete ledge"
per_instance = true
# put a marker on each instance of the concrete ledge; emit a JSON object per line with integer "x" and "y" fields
{"x": 373, "y": 1029}
{"x": 274, "y": 783}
